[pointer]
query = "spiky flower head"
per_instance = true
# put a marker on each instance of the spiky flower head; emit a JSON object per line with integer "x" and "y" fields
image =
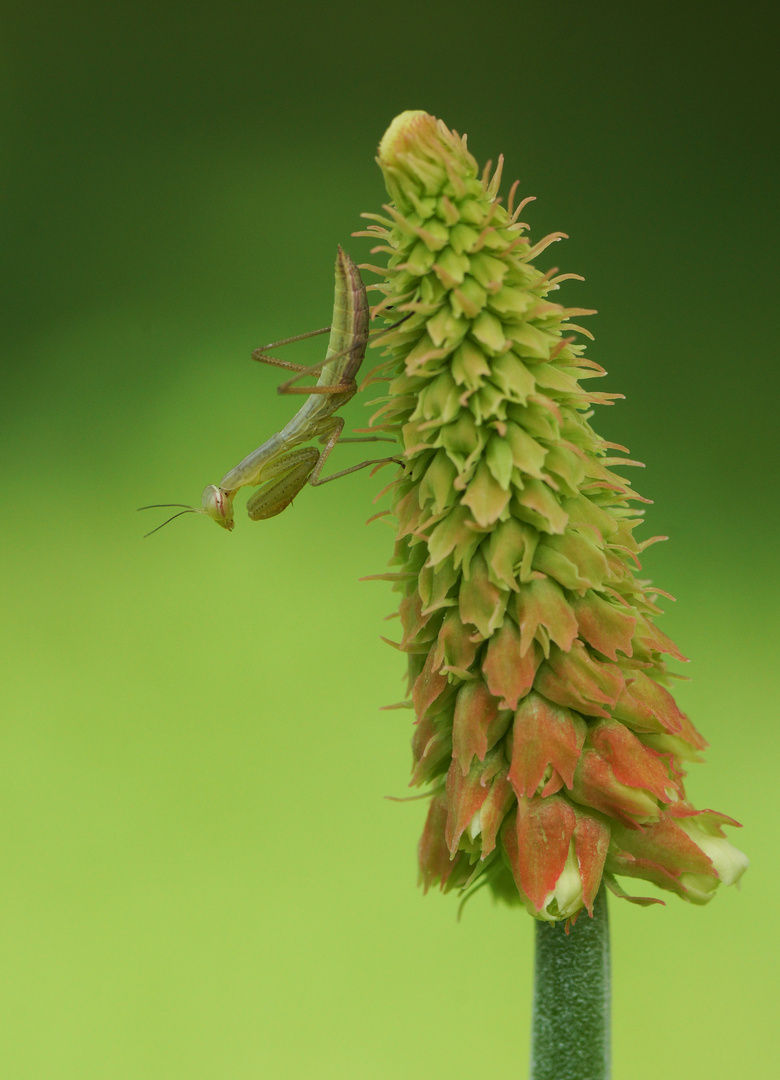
{"x": 551, "y": 745}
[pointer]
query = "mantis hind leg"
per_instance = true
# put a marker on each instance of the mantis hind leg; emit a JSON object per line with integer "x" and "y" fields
{"x": 331, "y": 436}
{"x": 262, "y": 354}
{"x": 301, "y": 370}
{"x": 285, "y": 477}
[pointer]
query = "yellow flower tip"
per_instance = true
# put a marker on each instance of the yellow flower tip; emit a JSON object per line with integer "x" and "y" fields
{"x": 406, "y": 128}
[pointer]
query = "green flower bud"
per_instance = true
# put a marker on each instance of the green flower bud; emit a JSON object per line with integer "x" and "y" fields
{"x": 729, "y": 862}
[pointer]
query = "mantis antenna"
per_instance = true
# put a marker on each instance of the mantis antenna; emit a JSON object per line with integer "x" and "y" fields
{"x": 159, "y": 506}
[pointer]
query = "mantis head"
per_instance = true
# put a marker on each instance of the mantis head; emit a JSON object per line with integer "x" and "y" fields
{"x": 218, "y": 505}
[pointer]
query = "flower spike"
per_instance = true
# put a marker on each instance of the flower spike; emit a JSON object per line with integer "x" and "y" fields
{"x": 544, "y": 729}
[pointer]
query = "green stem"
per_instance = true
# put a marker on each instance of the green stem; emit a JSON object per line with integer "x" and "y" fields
{"x": 570, "y": 1030}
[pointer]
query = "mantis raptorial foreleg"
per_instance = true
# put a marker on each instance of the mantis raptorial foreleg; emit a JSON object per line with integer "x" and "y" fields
{"x": 287, "y": 475}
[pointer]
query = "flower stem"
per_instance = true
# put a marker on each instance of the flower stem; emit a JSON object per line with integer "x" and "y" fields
{"x": 570, "y": 1029}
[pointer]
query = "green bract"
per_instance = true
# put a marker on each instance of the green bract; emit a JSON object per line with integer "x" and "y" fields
{"x": 544, "y": 726}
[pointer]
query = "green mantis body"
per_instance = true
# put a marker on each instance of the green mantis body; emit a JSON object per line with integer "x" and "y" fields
{"x": 282, "y": 465}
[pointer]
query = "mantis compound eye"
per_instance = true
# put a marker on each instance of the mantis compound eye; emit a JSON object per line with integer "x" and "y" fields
{"x": 218, "y": 505}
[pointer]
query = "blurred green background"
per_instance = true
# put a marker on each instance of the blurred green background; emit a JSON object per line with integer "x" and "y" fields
{"x": 200, "y": 877}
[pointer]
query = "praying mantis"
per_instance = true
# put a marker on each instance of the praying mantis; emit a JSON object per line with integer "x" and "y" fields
{"x": 281, "y": 466}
